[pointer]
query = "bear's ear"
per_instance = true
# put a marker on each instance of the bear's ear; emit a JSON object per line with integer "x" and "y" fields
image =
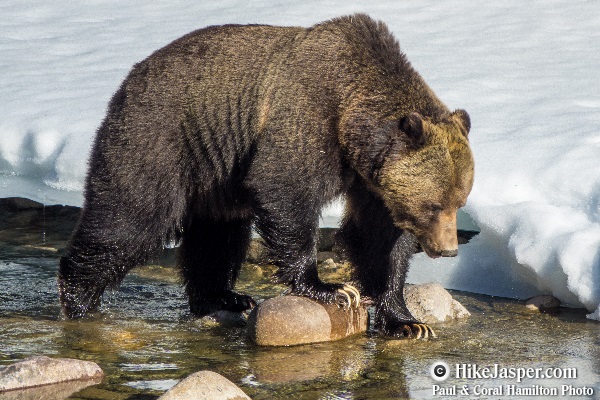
{"x": 463, "y": 118}
{"x": 412, "y": 126}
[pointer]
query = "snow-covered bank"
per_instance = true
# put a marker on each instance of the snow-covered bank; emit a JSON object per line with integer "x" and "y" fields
{"x": 527, "y": 72}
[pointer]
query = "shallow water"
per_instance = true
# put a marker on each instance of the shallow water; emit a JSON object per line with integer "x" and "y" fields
{"x": 145, "y": 341}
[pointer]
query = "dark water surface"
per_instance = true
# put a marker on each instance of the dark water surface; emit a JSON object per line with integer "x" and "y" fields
{"x": 145, "y": 341}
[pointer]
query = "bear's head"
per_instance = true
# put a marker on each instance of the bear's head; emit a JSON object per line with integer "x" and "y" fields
{"x": 426, "y": 176}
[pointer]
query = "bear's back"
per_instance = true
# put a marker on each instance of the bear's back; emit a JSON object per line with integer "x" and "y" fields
{"x": 208, "y": 66}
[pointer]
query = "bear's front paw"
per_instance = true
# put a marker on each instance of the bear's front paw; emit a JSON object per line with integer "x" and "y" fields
{"x": 345, "y": 295}
{"x": 410, "y": 330}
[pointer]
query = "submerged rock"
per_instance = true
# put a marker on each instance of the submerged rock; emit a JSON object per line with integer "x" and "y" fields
{"x": 541, "y": 303}
{"x": 42, "y": 370}
{"x": 205, "y": 385}
{"x": 431, "y": 303}
{"x": 293, "y": 320}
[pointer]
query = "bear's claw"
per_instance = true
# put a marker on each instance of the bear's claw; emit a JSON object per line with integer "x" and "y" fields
{"x": 418, "y": 331}
{"x": 352, "y": 295}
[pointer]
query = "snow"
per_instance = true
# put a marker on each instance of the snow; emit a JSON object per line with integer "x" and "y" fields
{"x": 527, "y": 72}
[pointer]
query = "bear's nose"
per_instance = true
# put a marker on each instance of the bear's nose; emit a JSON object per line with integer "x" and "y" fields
{"x": 449, "y": 253}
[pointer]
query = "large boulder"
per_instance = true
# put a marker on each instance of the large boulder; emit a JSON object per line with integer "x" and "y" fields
{"x": 205, "y": 385}
{"x": 431, "y": 303}
{"x": 293, "y": 320}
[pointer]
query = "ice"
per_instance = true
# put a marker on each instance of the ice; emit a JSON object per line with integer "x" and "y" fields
{"x": 527, "y": 72}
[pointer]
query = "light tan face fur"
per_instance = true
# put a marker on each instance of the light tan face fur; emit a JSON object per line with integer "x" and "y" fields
{"x": 424, "y": 188}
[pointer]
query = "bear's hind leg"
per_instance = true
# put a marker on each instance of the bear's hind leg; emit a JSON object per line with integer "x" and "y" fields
{"x": 210, "y": 256}
{"x": 105, "y": 246}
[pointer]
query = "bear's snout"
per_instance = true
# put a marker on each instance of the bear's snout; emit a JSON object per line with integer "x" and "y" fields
{"x": 440, "y": 238}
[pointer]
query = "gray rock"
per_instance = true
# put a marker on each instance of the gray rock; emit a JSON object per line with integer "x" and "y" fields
{"x": 328, "y": 264}
{"x": 293, "y": 320}
{"x": 205, "y": 385}
{"x": 431, "y": 303}
{"x": 41, "y": 370}
{"x": 541, "y": 303}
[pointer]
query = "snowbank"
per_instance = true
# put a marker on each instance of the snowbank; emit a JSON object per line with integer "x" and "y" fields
{"x": 527, "y": 72}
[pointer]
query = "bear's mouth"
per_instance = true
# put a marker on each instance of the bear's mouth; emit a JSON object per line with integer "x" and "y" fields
{"x": 435, "y": 253}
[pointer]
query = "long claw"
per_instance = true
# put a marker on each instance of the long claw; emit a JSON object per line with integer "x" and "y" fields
{"x": 432, "y": 332}
{"x": 345, "y": 293}
{"x": 419, "y": 333}
{"x": 425, "y": 331}
{"x": 354, "y": 291}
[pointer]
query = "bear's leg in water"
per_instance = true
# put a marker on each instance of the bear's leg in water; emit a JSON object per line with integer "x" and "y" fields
{"x": 210, "y": 256}
{"x": 380, "y": 253}
{"x": 106, "y": 245}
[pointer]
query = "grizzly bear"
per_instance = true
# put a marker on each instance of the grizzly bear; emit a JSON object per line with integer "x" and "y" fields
{"x": 233, "y": 127}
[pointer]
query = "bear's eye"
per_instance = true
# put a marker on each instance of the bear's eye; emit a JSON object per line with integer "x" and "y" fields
{"x": 435, "y": 207}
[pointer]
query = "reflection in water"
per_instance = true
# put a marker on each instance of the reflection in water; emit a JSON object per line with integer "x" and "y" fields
{"x": 58, "y": 391}
{"x": 145, "y": 341}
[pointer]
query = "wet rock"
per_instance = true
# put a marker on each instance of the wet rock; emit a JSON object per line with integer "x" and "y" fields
{"x": 431, "y": 303}
{"x": 335, "y": 272}
{"x": 205, "y": 385}
{"x": 329, "y": 264}
{"x": 327, "y": 255}
{"x": 253, "y": 270}
{"x": 293, "y": 320}
{"x": 541, "y": 303}
{"x": 41, "y": 370}
{"x": 158, "y": 273}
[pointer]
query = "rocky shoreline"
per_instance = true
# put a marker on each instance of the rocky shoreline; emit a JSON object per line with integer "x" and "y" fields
{"x": 48, "y": 228}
